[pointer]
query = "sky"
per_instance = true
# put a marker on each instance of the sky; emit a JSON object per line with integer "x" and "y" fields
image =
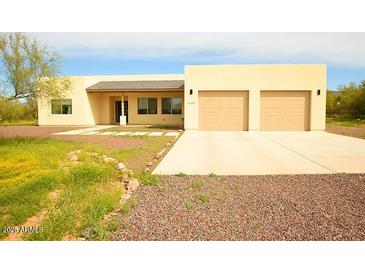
{"x": 154, "y": 53}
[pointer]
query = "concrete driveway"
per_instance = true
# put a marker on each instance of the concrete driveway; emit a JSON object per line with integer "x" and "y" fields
{"x": 263, "y": 153}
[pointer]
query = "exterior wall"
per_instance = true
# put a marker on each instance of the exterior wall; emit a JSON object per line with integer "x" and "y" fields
{"x": 256, "y": 78}
{"x": 81, "y": 110}
{"x": 98, "y": 108}
{"x": 153, "y": 119}
{"x": 103, "y": 108}
{"x": 90, "y": 108}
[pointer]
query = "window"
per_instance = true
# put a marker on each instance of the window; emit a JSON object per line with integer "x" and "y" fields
{"x": 172, "y": 105}
{"x": 61, "y": 106}
{"x": 147, "y": 105}
{"x": 166, "y": 105}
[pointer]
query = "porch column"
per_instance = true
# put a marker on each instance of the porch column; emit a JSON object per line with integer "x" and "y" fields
{"x": 122, "y": 100}
{"x": 123, "y": 118}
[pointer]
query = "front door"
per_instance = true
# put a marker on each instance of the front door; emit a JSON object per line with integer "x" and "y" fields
{"x": 118, "y": 110}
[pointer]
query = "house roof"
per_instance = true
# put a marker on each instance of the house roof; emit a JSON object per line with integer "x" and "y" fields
{"x": 137, "y": 85}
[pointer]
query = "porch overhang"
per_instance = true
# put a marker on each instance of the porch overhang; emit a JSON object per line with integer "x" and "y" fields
{"x": 137, "y": 86}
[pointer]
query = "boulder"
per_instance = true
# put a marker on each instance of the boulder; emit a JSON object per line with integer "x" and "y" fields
{"x": 120, "y": 166}
{"x": 73, "y": 156}
{"x": 125, "y": 197}
{"x": 150, "y": 163}
{"x": 69, "y": 237}
{"x": 147, "y": 169}
{"x": 109, "y": 160}
{"x": 132, "y": 184}
{"x": 53, "y": 194}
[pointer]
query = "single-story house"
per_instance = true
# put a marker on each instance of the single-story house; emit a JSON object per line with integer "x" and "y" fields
{"x": 208, "y": 97}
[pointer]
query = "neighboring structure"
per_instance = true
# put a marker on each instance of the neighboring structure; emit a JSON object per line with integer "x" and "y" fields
{"x": 212, "y": 97}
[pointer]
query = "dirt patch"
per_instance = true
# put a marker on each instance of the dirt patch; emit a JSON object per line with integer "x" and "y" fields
{"x": 34, "y": 221}
{"x": 106, "y": 141}
{"x": 32, "y": 131}
{"x": 300, "y": 207}
{"x": 358, "y": 132}
{"x": 43, "y": 131}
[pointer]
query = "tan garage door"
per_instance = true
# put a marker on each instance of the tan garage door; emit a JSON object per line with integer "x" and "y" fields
{"x": 223, "y": 110}
{"x": 285, "y": 110}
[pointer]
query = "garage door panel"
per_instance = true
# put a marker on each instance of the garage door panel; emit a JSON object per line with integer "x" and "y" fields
{"x": 284, "y": 110}
{"x": 223, "y": 110}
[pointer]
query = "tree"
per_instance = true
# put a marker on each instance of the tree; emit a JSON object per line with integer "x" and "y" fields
{"x": 351, "y": 100}
{"x": 331, "y": 105}
{"x": 30, "y": 69}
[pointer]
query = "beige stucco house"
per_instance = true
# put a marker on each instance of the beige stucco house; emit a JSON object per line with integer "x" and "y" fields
{"x": 211, "y": 97}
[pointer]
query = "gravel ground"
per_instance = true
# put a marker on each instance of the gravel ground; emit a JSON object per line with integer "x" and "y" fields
{"x": 301, "y": 207}
{"x": 45, "y": 131}
{"x": 358, "y": 132}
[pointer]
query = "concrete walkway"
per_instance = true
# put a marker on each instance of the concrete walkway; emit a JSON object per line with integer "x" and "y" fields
{"x": 95, "y": 130}
{"x": 83, "y": 130}
{"x": 263, "y": 153}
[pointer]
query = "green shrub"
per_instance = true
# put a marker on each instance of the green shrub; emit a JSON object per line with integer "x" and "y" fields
{"x": 342, "y": 174}
{"x": 11, "y": 111}
{"x": 348, "y": 102}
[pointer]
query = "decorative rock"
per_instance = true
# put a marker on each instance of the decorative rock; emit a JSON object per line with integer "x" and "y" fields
{"x": 133, "y": 184}
{"x": 147, "y": 169}
{"x": 53, "y": 194}
{"x": 73, "y": 156}
{"x": 125, "y": 178}
{"x": 154, "y": 160}
{"x": 168, "y": 144}
{"x": 109, "y": 160}
{"x": 120, "y": 166}
{"x": 69, "y": 237}
{"x": 124, "y": 197}
{"x": 150, "y": 163}
{"x": 159, "y": 155}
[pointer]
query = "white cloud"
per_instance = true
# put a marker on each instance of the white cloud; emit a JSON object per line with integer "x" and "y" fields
{"x": 340, "y": 49}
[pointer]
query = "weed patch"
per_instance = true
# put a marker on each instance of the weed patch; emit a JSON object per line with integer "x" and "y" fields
{"x": 128, "y": 205}
{"x": 148, "y": 179}
{"x": 202, "y": 198}
{"x": 181, "y": 174}
{"x": 195, "y": 185}
{"x": 190, "y": 205}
